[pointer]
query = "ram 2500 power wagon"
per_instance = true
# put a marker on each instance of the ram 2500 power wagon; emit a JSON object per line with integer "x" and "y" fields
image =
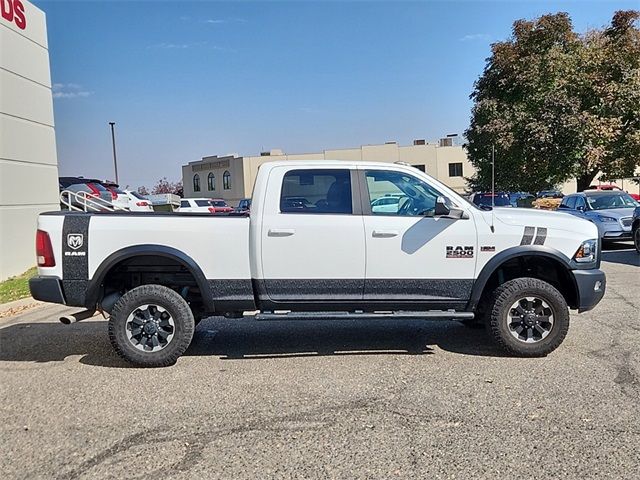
{"x": 313, "y": 244}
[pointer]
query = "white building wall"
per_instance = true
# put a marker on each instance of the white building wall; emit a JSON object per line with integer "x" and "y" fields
{"x": 28, "y": 161}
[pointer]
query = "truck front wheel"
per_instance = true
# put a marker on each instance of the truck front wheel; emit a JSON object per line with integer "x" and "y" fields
{"x": 151, "y": 326}
{"x": 528, "y": 317}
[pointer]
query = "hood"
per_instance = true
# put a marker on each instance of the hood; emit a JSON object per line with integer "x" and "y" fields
{"x": 616, "y": 213}
{"x": 543, "y": 218}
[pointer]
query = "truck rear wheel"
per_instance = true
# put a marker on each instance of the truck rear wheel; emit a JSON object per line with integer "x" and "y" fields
{"x": 528, "y": 317}
{"x": 151, "y": 326}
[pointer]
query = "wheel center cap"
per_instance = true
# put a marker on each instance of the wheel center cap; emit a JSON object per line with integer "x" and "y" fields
{"x": 150, "y": 328}
{"x": 530, "y": 319}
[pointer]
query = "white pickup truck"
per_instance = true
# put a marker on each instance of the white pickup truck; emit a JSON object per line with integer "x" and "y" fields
{"x": 312, "y": 244}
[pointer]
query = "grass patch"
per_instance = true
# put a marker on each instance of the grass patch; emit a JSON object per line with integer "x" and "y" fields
{"x": 17, "y": 287}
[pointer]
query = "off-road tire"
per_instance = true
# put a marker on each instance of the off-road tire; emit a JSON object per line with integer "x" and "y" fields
{"x": 636, "y": 238}
{"x": 166, "y": 298}
{"x": 500, "y": 304}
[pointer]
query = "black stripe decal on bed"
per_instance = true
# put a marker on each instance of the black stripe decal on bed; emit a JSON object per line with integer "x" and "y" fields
{"x": 75, "y": 257}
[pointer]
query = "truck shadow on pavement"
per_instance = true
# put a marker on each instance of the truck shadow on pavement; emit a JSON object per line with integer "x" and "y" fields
{"x": 251, "y": 339}
{"x": 621, "y": 254}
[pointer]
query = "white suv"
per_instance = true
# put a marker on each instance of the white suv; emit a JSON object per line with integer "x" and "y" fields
{"x": 196, "y": 205}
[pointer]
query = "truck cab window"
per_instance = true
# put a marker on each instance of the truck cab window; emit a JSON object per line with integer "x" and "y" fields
{"x": 316, "y": 191}
{"x": 396, "y": 193}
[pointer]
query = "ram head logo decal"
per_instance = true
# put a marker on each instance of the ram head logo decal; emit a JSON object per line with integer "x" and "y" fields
{"x": 75, "y": 240}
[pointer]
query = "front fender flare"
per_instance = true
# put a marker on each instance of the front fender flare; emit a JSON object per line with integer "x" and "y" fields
{"x": 509, "y": 254}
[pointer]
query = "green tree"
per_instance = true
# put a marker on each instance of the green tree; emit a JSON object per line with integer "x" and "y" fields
{"x": 558, "y": 105}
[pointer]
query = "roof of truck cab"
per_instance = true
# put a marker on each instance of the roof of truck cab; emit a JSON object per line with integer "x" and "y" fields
{"x": 332, "y": 163}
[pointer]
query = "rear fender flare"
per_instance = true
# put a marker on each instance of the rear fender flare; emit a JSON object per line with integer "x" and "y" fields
{"x": 96, "y": 283}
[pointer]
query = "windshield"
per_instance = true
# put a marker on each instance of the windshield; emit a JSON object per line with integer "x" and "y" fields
{"x": 137, "y": 195}
{"x": 615, "y": 200}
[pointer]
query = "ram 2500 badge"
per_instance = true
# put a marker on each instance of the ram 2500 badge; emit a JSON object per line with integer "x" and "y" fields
{"x": 313, "y": 244}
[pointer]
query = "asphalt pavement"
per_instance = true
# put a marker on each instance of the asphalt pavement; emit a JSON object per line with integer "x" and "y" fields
{"x": 327, "y": 399}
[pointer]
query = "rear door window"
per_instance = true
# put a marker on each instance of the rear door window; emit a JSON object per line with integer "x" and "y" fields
{"x": 203, "y": 203}
{"x": 317, "y": 191}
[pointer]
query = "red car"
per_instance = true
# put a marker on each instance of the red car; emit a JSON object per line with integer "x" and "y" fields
{"x": 610, "y": 186}
{"x": 219, "y": 206}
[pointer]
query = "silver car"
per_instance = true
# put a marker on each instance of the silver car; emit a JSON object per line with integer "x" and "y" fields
{"x": 610, "y": 210}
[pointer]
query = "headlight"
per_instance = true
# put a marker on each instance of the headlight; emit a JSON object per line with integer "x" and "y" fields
{"x": 587, "y": 252}
{"x": 602, "y": 218}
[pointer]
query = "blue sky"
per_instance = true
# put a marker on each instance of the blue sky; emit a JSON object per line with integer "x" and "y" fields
{"x": 187, "y": 79}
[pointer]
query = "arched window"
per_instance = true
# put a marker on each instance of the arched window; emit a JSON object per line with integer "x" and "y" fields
{"x": 226, "y": 180}
{"x": 211, "y": 181}
{"x": 196, "y": 183}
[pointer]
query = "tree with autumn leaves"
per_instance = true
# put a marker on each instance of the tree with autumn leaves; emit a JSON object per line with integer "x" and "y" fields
{"x": 162, "y": 186}
{"x": 558, "y": 105}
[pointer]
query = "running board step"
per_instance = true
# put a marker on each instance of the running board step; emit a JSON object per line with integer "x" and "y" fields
{"x": 429, "y": 315}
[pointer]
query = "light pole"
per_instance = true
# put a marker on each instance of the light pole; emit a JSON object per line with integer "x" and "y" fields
{"x": 113, "y": 143}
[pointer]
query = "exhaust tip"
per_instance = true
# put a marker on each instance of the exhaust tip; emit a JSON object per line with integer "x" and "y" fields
{"x": 67, "y": 320}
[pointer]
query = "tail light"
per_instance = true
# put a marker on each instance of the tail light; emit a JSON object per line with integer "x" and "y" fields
{"x": 142, "y": 204}
{"x": 94, "y": 189}
{"x": 114, "y": 194}
{"x": 212, "y": 209}
{"x": 44, "y": 250}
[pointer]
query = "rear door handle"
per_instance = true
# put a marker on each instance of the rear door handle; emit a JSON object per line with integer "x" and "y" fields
{"x": 385, "y": 233}
{"x": 281, "y": 232}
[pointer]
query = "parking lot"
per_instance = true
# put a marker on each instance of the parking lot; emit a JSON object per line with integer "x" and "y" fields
{"x": 327, "y": 399}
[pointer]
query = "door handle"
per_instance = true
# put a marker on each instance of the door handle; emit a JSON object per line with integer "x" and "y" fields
{"x": 281, "y": 232}
{"x": 385, "y": 233}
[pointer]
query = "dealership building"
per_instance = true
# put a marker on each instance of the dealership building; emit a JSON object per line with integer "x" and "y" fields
{"x": 231, "y": 177}
{"x": 28, "y": 162}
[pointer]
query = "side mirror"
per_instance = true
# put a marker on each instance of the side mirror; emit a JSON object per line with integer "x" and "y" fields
{"x": 580, "y": 208}
{"x": 441, "y": 209}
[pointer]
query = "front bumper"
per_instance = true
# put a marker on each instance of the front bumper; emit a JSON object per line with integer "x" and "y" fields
{"x": 613, "y": 231}
{"x": 617, "y": 235}
{"x": 591, "y": 286}
{"x": 46, "y": 289}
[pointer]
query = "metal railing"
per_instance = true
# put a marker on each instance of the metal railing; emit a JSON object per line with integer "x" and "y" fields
{"x": 85, "y": 202}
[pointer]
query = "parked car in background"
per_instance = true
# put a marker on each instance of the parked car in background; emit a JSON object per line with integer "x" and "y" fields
{"x": 635, "y": 228}
{"x": 118, "y": 197}
{"x": 611, "y": 211}
{"x": 296, "y": 204}
{"x": 137, "y": 203}
{"x": 196, "y": 205}
{"x": 550, "y": 194}
{"x": 244, "y": 206}
{"x": 204, "y": 205}
{"x": 488, "y": 199}
{"x": 220, "y": 206}
{"x": 89, "y": 186}
{"x": 386, "y": 204}
{"x": 610, "y": 186}
{"x": 524, "y": 198}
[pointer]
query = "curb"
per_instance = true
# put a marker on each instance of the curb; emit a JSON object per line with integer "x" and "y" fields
{"x": 19, "y": 305}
